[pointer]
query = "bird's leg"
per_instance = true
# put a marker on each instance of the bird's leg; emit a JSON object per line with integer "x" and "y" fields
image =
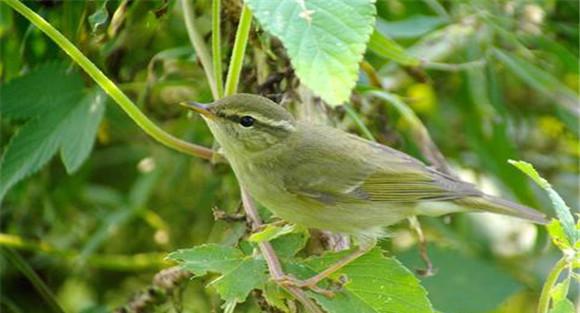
{"x": 312, "y": 282}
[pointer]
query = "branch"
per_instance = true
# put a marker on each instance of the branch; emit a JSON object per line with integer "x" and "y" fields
{"x": 271, "y": 258}
{"x": 108, "y": 86}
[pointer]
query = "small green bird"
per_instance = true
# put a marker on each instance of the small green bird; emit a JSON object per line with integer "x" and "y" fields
{"x": 322, "y": 177}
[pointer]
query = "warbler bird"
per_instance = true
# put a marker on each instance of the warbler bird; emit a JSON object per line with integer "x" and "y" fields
{"x": 322, "y": 177}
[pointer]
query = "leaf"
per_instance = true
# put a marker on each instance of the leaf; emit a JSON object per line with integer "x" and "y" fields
{"x": 80, "y": 129}
{"x": 235, "y": 285}
{"x": 288, "y": 245}
{"x": 562, "y": 306}
{"x": 388, "y": 48}
{"x": 540, "y": 80}
{"x": 558, "y": 235}
{"x": 44, "y": 89}
{"x": 271, "y": 232}
{"x": 208, "y": 258}
{"x": 276, "y": 296}
{"x": 411, "y": 27}
{"x": 562, "y": 210}
{"x": 70, "y": 125}
{"x": 457, "y": 286}
{"x": 375, "y": 284}
{"x": 99, "y": 18}
{"x": 325, "y": 40}
{"x": 560, "y": 291}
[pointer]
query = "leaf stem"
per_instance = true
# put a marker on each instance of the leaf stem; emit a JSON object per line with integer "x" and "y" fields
{"x": 216, "y": 46}
{"x": 199, "y": 46}
{"x": 354, "y": 116}
{"x": 108, "y": 86}
{"x": 544, "y": 302}
{"x": 237, "y": 59}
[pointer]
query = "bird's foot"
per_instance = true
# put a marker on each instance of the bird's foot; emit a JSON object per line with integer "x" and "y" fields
{"x": 311, "y": 283}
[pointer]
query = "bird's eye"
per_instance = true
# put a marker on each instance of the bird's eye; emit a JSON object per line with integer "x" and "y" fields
{"x": 247, "y": 121}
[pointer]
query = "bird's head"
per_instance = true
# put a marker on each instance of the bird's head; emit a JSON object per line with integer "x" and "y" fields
{"x": 245, "y": 123}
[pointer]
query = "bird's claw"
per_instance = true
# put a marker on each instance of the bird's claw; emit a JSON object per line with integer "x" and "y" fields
{"x": 290, "y": 281}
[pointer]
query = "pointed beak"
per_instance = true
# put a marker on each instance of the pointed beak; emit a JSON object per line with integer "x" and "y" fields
{"x": 200, "y": 108}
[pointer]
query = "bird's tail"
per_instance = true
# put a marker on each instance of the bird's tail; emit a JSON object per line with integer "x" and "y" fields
{"x": 501, "y": 206}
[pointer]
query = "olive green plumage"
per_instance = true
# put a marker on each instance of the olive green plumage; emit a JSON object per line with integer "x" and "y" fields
{"x": 325, "y": 178}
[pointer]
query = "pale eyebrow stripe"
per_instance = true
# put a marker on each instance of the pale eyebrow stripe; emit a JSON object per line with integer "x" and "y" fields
{"x": 260, "y": 119}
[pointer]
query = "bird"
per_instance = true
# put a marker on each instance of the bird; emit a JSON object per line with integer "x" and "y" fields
{"x": 325, "y": 178}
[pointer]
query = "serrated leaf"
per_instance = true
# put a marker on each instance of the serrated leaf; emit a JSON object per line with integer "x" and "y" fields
{"x": 562, "y": 210}
{"x": 70, "y": 126}
{"x": 276, "y": 296}
{"x": 375, "y": 284}
{"x": 44, "y": 89}
{"x": 80, "y": 129}
{"x": 236, "y": 284}
{"x": 208, "y": 258}
{"x": 529, "y": 170}
{"x": 540, "y": 80}
{"x": 271, "y": 232}
{"x": 388, "y": 48}
{"x": 325, "y": 40}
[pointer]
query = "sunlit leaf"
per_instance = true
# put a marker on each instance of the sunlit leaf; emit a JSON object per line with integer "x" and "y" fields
{"x": 325, "y": 40}
{"x": 272, "y": 232}
{"x": 237, "y": 283}
{"x": 375, "y": 283}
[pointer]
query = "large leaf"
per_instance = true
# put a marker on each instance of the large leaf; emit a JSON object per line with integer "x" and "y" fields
{"x": 325, "y": 40}
{"x": 375, "y": 284}
{"x": 41, "y": 91}
{"x": 62, "y": 116}
{"x": 240, "y": 274}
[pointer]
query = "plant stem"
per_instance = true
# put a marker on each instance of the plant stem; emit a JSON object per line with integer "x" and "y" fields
{"x": 108, "y": 86}
{"x": 216, "y": 46}
{"x": 199, "y": 46}
{"x": 238, "y": 52}
{"x": 544, "y": 302}
{"x": 354, "y": 116}
{"x": 274, "y": 266}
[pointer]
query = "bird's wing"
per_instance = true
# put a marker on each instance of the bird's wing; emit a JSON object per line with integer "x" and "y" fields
{"x": 368, "y": 172}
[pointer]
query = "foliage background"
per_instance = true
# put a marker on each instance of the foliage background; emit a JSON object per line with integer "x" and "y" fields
{"x": 97, "y": 237}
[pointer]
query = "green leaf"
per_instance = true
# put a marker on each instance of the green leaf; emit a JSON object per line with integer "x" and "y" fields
{"x": 375, "y": 284}
{"x": 41, "y": 91}
{"x": 240, "y": 274}
{"x": 276, "y": 296}
{"x": 562, "y": 210}
{"x": 288, "y": 245}
{"x": 558, "y": 235}
{"x": 529, "y": 170}
{"x": 271, "y": 232}
{"x": 236, "y": 284}
{"x": 325, "y": 40}
{"x": 99, "y": 18}
{"x": 71, "y": 125}
{"x": 411, "y": 27}
{"x": 208, "y": 258}
{"x": 79, "y": 130}
{"x": 457, "y": 286}
{"x": 562, "y": 306}
{"x": 560, "y": 291}
{"x": 540, "y": 80}
{"x": 388, "y": 48}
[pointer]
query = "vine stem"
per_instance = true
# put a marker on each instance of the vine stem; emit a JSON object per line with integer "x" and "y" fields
{"x": 199, "y": 46}
{"x": 237, "y": 59}
{"x": 544, "y": 302}
{"x": 108, "y": 86}
{"x": 216, "y": 46}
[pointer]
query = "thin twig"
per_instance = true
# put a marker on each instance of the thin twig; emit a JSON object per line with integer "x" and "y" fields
{"x": 216, "y": 46}
{"x": 271, "y": 258}
{"x": 238, "y": 51}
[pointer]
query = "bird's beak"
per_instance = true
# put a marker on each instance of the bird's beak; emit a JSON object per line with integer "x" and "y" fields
{"x": 200, "y": 108}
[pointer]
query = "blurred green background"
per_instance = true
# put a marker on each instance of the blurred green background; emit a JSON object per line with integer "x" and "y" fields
{"x": 500, "y": 81}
